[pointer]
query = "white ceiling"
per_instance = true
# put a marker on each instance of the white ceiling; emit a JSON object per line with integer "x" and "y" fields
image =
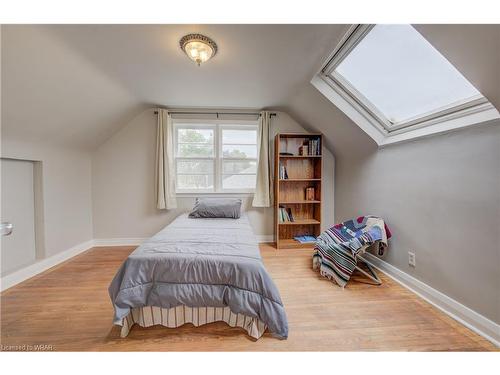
{"x": 77, "y": 84}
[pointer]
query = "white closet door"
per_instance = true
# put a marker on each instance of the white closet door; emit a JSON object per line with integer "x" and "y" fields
{"x": 18, "y": 207}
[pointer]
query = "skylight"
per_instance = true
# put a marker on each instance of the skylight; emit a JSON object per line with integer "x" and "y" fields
{"x": 397, "y": 70}
{"x": 396, "y": 86}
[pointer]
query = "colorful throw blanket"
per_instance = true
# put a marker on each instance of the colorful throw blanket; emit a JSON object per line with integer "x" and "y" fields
{"x": 336, "y": 249}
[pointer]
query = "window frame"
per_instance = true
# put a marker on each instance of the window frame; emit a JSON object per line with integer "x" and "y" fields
{"x": 365, "y": 114}
{"x": 218, "y": 126}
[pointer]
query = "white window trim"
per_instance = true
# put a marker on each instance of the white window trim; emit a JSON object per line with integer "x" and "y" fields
{"x": 217, "y": 125}
{"x": 369, "y": 119}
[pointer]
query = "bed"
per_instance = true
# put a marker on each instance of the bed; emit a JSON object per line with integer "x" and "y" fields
{"x": 198, "y": 271}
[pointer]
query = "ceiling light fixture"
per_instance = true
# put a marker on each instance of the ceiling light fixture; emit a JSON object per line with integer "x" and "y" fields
{"x": 198, "y": 48}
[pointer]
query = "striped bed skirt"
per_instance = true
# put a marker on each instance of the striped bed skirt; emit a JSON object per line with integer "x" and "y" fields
{"x": 174, "y": 317}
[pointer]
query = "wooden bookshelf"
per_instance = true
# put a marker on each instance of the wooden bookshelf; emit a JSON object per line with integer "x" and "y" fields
{"x": 299, "y": 156}
{"x": 302, "y": 171}
{"x": 300, "y": 179}
{"x": 301, "y": 222}
{"x": 301, "y": 202}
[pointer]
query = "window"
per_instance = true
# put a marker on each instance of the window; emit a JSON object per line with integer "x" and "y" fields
{"x": 239, "y": 158}
{"x": 195, "y": 157}
{"x": 398, "y": 82}
{"x": 215, "y": 158}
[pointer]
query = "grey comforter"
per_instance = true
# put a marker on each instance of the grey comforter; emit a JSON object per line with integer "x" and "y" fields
{"x": 200, "y": 262}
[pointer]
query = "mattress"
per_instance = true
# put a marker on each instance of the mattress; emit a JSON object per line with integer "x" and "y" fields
{"x": 213, "y": 264}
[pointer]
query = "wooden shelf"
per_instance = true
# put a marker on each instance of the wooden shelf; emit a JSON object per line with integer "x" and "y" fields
{"x": 299, "y": 156}
{"x": 300, "y": 179}
{"x": 300, "y": 135}
{"x": 293, "y": 244}
{"x": 302, "y": 222}
{"x": 303, "y": 172}
{"x": 300, "y": 202}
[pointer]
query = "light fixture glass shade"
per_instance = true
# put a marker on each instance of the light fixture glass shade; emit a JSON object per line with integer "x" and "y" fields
{"x": 198, "y": 48}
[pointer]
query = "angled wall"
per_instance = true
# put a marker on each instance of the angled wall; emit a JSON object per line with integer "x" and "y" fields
{"x": 35, "y": 91}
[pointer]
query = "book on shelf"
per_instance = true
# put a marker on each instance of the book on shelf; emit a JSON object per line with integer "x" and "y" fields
{"x": 285, "y": 215}
{"x": 306, "y": 238}
{"x": 310, "y": 196}
{"x": 304, "y": 150}
{"x": 283, "y": 172}
{"x": 311, "y": 147}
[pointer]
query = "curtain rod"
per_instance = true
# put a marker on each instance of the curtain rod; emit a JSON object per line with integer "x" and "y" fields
{"x": 215, "y": 113}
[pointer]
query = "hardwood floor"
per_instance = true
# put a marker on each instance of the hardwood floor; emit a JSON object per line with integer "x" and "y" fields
{"x": 68, "y": 308}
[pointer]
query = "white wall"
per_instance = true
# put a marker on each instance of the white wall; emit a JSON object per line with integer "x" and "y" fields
{"x": 66, "y": 191}
{"x": 123, "y": 183}
{"x": 18, "y": 208}
{"x": 441, "y": 198}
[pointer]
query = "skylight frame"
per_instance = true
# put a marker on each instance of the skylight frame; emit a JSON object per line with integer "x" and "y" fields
{"x": 369, "y": 111}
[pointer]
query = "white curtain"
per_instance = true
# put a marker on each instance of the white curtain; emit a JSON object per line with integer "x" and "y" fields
{"x": 263, "y": 193}
{"x": 165, "y": 173}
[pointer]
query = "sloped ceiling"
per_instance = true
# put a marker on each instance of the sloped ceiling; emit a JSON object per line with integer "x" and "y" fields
{"x": 51, "y": 94}
{"x": 473, "y": 49}
{"x": 77, "y": 84}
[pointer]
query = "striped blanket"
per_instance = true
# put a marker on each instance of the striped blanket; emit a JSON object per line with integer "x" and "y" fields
{"x": 336, "y": 249}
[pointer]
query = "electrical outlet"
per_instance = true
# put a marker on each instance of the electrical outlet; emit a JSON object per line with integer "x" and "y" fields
{"x": 411, "y": 259}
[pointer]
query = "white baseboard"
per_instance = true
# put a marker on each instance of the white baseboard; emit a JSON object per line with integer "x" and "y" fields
{"x": 34, "y": 269}
{"x": 461, "y": 313}
{"x": 264, "y": 238}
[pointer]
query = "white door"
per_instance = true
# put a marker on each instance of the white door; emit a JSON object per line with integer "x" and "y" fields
{"x": 18, "y": 208}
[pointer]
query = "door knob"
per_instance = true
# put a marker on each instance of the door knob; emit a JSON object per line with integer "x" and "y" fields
{"x": 6, "y": 229}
